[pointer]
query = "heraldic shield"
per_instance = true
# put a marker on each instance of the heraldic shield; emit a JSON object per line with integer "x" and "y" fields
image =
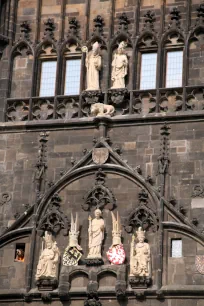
{"x": 100, "y": 155}
{"x": 116, "y": 254}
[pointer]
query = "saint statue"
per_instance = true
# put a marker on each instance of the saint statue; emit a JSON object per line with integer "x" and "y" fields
{"x": 96, "y": 235}
{"x": 119, "y": 67}
{"x": 93, "y": 65}
{"x": 49, "y": 259}
{"x": 140, "y": 256}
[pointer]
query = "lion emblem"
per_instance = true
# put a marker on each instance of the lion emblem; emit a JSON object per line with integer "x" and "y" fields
{"x": 100, "y": 109}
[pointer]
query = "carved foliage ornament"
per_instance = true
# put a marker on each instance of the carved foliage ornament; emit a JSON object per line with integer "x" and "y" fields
{"x": 54, "y": 220}
{"x": 100, "y": 195}
{"x": 142, "y": 216}
{"x": 198, "y": 191}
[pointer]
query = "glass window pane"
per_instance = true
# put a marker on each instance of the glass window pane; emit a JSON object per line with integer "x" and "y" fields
{"x": 48, "y": 77}
{"x": 148, "y": 71}
{"x": 176, "y": 248}
{"x": 72, "y": 77}
{"x": 174, "y": 68}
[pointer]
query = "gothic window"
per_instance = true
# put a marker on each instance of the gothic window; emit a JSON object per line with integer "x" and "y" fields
{"x": 176, "y": 248}
{"x": 148, "y": 70}
{"x": 72, "y": 76}
{"x": 48, "y": 78}
{"x": 174, "y": 68}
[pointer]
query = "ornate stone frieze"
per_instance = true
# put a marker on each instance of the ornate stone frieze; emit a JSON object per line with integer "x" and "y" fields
{"x": 99, "y": 196}
{"x": 17, "y": 110}
{"x": 54, "y": 219}
{"x": 67, "y": 108}
{"x": 141, "y": 216}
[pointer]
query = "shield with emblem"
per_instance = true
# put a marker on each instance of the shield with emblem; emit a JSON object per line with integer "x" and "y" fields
{"x": 116, "y": 254}
{"x": 100, "y": 155}
{"x": 71, "y": 256}
{"x": 199, "y": 262}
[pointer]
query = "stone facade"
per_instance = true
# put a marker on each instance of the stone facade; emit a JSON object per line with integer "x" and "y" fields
{"x": 146, "y": 160}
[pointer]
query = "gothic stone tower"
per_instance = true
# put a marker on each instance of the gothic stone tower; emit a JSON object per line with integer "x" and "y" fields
{"x": 61, "y": 153}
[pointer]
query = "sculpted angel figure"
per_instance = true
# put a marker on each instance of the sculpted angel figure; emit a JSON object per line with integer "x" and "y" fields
{"x": 93, "y": 65}
{"x": 49, "y": 259}
{"x": 119, "y": 67}
{"x": 96, "y": 235}
{"x": 140, "y": 256}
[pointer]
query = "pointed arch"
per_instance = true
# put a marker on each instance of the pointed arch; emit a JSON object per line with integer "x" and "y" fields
{"x": 22, "y": 49}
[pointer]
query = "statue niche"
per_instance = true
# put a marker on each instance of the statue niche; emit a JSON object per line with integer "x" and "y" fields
{"x": 47, "y": 268}
{"x": 140, "y": 261}
{"x": 96, "y": 237}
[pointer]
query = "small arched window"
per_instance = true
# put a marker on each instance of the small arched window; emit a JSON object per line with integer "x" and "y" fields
{"x": 72, "y": 72}
{"x": 47, "y": 71}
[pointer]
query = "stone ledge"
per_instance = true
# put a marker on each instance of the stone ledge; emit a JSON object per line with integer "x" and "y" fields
{"x": 120, "y": 120}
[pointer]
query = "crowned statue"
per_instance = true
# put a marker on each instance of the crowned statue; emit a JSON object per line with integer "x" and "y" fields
{"x": 96, "y": 235}
{"x": 140, "y": 256}
{"x": 73, "y": 251}
{"x": 49, "y": 258}
{"x": 119, "y": 67}
{"x": 93, "y": 65}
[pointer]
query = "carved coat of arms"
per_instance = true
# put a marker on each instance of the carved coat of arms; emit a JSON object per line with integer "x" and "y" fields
{"x": 116, "y": 254}
{"x": 100, "y": 155}
{"x": 199, "y": 263}
{"x": 71, "y": 256}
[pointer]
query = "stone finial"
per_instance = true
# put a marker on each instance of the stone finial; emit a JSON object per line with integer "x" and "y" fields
{"x": 98, "y": 25}
{"x": 49, "y": 28}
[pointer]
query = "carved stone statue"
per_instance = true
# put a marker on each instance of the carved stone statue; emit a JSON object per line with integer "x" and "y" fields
{"x": 119, "y": 67}
{"x": 73, "y": 251}
{"x": 100, "y": 109}
{"x": 96, "y": 235}
{"x": 140, "y": 256}
{"x": 93, "y": 65}
{"x": 116, "y": 253}
{"x": 49, "y": 259}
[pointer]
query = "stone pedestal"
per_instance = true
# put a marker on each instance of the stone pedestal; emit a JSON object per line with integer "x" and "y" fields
{"x": 47, "y": 283}
{"x": 141, "y": 282}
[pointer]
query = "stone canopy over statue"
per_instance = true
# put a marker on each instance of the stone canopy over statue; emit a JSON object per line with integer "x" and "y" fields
{"x": 140, "y": 260}
{"x": 93, "y": 65}
{"x": 96, "y": 236}
{"x": 119, "y": 67}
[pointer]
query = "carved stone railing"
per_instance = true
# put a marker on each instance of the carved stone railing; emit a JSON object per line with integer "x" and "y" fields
{"x": 136, "y": 102}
